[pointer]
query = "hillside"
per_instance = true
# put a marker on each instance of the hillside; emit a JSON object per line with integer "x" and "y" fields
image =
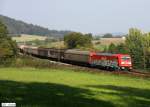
{"x": 20, "y": 27}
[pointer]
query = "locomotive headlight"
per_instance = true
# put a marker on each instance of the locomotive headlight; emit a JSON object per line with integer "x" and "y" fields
{"x": 122, "y": 62}
{"x": 122, "y": 67}
{"x": 129, "y": 62}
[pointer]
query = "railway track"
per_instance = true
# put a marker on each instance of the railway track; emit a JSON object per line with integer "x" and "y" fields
{"x": 97, "y": 70}
{"x": 138, "y": 73}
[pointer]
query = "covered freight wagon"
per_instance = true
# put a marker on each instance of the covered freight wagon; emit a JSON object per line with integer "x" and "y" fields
{"x": 78, "y": 56}
{"x": 43, "y": 52}
{"x": 56, "y": 53}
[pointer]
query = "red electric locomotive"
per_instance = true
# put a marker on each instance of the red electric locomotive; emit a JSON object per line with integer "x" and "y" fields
{"x": 114, "y": 61}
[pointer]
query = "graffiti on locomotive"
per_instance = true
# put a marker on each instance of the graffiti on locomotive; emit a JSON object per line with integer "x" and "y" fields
{"x": 105, "y": 62}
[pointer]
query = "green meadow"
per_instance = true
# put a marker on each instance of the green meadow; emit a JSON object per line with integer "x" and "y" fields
{"x": 32, "y": 87}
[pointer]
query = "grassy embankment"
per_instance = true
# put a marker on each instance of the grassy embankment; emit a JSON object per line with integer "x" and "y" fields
{"x": 32, "y": 87}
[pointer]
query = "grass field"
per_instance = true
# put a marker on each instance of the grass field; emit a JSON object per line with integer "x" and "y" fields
{"x": 30, "y": 87}
{"x": 105, "y": 42}
{"x": 26, "y": 38}
{"x": 58, "y": 45}
{"x": 108, "y": 41}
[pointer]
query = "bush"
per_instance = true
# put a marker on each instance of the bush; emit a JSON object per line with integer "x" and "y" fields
{"x": 28, "y": 61}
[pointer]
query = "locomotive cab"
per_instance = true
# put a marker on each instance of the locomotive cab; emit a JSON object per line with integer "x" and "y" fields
{"x": 125, "y": 62}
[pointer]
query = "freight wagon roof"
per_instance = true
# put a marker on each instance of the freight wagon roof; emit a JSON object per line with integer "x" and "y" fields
{"x": 31, "y": 47}
{"x": 76, "y": 51}
{"x": 42, "y": 48}
{"x": 106, "y": 54}
{"x": 110, "y": 54}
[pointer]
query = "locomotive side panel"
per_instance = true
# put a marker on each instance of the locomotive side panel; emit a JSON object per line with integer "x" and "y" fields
{"x": 104, "y": 61}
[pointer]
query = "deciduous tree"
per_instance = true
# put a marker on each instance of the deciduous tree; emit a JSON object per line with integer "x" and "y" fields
{"x": 8, "y": 48}
{"x": 77, "y": 40}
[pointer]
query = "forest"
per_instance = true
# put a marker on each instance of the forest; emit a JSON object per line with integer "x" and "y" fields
{"x": 20, "y": 27}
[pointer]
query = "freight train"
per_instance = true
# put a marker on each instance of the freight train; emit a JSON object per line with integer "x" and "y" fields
{"x": 76, "y": 56}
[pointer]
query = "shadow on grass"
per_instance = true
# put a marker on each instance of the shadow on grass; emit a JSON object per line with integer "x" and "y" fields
{"x": 47, "y": 95}
{"x": 132, "y": 97}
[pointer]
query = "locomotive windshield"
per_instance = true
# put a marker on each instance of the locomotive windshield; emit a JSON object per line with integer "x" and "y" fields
{"x": 126, "y": 58}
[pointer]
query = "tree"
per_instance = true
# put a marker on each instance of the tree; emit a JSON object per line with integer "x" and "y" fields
{"x": 135, "y": 46}
{"x": 77, "y": 40}
{"x": 122, "y": 48}
{"x": 112, "y": 48}
{"x": 146, "y": 50}
{"x": 8, "y": 48}
{"x": 108, "y": 35}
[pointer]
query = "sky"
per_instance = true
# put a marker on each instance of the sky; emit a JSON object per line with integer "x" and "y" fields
{"x": 87, "y": 16}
